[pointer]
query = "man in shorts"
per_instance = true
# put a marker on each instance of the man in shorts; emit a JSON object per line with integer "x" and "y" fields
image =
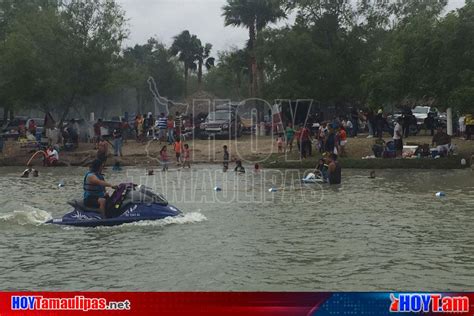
{"x": 398, "y": 137}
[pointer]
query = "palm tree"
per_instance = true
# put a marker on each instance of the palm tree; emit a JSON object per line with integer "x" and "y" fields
{"x": 254, "y": 15}
{"x": 203, "y": 58}
{"x": 186, "y": 47}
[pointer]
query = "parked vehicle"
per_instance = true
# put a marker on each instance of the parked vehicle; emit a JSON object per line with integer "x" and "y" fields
{"x": 421, "y": 114}
{"x": 224, "y": 122}
{"x": 39, "y": 126}
{"x": 108, "y": 128}
{"x": 248, "y": 121}
{"x": 10, "y": 131}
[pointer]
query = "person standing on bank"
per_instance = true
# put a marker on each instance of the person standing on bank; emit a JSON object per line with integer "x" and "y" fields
{"x": 162, "y": 125}
{"x": 118, "y": 142}
{"x": 102, "y": 150}
{"x": 178, "y": 124}
{"x": 398, "y": 137}
{"x": 355, "y": 122}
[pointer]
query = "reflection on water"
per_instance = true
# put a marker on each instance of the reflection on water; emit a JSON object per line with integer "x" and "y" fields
{"x": 390, "y": 233}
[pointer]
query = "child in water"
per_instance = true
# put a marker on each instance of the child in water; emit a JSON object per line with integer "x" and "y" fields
{"x": 239, "y": 168}
{"x": 164, "y": 158}
{"x": 322, "y": 169}
{"x": 280, "y": 144}
{"x": 186, "y": 157}
{"x": 256, "y": 168}
{"x": 117, "y": 166}
{"x": 27, "y": 172}
{"x": 226, "y": 159}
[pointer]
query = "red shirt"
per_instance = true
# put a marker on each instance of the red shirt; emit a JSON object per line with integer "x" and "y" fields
{"x": 304, "y": 134}
{"x": 343, "y": 135}
{"x": 177, "y": 147}
{"x": 97, "y": 129}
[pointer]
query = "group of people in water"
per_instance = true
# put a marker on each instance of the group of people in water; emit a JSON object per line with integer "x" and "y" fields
{"x": 50, "y": 159}
{"x": 329, "y": 169}
{"x": 182, "y": 153}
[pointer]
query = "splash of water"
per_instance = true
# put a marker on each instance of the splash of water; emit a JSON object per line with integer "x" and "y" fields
{"x": 28, "y": 215}
{"x": 189, "y": 218}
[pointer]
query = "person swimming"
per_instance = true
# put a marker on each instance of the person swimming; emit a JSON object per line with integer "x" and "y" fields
{"x": 27, "y": 172}
{"x": 117, "y": 166}
{"x": 239, "y": 168}
{"x": 322, "y": 169}
{"x": 257, "y": 168}
{"x": 95, "y": 195}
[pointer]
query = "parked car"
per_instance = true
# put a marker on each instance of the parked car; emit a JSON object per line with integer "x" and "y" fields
{"x": 10, "y": 131}
{"x": 39, "y": 126}
{"x": 422, "y": 112}
{"x": 248, "y": 122}
{"x": 222, "y": 122}
{"x": 108, "y": 128}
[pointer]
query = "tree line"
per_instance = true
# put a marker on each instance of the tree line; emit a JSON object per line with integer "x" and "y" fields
{"x": 59, "y": 55}
{"x": 356, "y": 53}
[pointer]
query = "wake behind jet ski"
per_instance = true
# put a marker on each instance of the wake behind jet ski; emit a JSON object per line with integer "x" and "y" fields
{"x": 129, "y": 203}
{"x": 126, "y": 205}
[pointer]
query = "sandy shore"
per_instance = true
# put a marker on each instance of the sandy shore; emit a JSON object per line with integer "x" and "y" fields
{"x": 251, "y": 149}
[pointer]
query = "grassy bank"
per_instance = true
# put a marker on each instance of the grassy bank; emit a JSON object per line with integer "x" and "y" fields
{"x": 353, "y": 163}
{"x": 248, "y": 149}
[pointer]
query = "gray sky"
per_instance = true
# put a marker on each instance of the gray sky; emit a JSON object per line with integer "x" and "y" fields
{"x": 166, "y": 18}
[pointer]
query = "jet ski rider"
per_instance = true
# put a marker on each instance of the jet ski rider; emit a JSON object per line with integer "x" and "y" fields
{"x": 95, "y": 188}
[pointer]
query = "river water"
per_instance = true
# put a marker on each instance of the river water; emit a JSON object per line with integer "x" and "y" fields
{"x": 388, "y": 233}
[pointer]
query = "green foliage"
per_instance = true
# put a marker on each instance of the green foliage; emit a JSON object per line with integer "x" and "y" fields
{"x": 230, "y": 78}
{"x": 151, "y": 59}
{"x": 254, "y": 15}
{"x": 53, "y": 55}
{"x": 204, "y": 59}
{"x": 187, "y": 47}
{"x": 363, "y": 52}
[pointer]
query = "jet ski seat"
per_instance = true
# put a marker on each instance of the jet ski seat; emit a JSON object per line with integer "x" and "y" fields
{"x": 79, "y": 204}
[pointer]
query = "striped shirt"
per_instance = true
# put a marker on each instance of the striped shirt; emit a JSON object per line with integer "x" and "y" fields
{"x": 178, "y": 121}
{"x": 162, "y": 123}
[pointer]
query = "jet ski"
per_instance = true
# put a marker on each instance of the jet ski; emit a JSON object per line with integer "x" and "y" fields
{"x": 312, "y": 179}
{"x": 129, "y": 203}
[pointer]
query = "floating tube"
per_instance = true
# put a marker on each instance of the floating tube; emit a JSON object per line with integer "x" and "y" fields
{"x": 34, "y": 156}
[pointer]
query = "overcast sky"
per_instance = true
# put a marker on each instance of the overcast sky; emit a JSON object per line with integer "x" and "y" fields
{"x": 166, "y": 18}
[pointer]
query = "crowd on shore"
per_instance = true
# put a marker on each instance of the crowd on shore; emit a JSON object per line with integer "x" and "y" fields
{"x": 164, "y": 129}
{"x": 333, "y": 136}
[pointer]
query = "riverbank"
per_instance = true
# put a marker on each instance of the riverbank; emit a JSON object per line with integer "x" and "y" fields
{"x": 251, "y": 150}
{"x": 374, "y": 164}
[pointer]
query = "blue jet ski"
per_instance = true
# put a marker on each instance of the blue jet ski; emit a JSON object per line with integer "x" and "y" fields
{"x": 129, "y": 203}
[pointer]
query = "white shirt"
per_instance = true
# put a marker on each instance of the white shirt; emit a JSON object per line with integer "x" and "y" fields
{"x": 398, "y": 128}
{"x": 53, "y": 153}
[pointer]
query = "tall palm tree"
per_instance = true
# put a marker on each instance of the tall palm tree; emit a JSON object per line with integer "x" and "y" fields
{"x": 204, "y": 59}
{"x": 186, "y": 47}
{"x": 254, "y": 15}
